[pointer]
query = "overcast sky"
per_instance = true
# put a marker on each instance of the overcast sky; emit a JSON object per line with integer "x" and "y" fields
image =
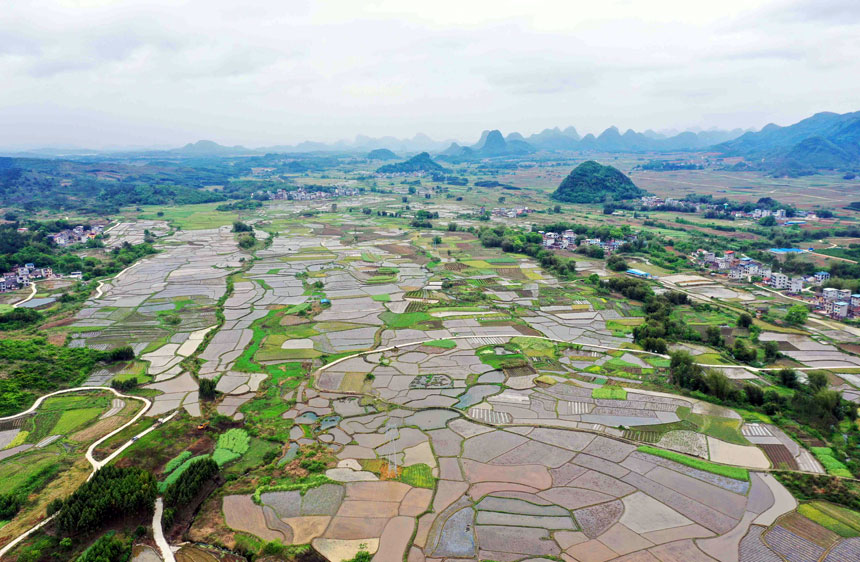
{"x": 100, "y": 73}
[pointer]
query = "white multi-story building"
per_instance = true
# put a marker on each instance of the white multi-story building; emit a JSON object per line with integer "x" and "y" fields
{"x": 736, "y": 273}
{"x": 830, "y": 294}
{"x": 821, "y": 277}
{"x": 844, "y": 295}
{"x": 779, "y": 281}
{"x": 837, "y": 309}
{"x": 855, "y": 300}
{"x": 795, "y": 286}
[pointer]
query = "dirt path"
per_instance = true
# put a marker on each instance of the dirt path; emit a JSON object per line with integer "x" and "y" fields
{"x": 29, "y": 298}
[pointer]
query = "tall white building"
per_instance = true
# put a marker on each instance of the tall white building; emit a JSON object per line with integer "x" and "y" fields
{"x": 779, "y": 281}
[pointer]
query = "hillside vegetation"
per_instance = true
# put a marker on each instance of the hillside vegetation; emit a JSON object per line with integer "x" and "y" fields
{"x": 418, "y": 163}
{"x": 591, "y": 182}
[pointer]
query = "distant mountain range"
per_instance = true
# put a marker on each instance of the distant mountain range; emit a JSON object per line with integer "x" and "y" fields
{"x": 418, "y": 163}
{"x": 825, "y": 140}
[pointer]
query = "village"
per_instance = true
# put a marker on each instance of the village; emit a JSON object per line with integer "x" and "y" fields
{"x": 835, "y": 303}
{"x": 301, "y": 194}
{"x": 21, "y": 276}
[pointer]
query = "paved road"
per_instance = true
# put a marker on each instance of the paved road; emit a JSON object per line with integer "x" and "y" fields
{"x": 29, "y": 298}
{"x": 158, "y": 533}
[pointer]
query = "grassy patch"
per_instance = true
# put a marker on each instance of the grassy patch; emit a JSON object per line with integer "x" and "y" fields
{"x": 385, "y": 297}
{"x": 728, "y": 471}
{"x": 177, "y": 472}
{"x": 253, "y": 457}
{"x": 73, "y": 419}
{"x": 190, "y": 217}
{"x": 725, "y": 429}
{"x": 444, "y": 344}
{"x": 396, "y": 321}
{"x": 833, "y": 465}
{"x": 535, "y": 347}
{"x": 176, "y": 461}
{"x": 418, "y": 476}
{"x": 609, "y": 393}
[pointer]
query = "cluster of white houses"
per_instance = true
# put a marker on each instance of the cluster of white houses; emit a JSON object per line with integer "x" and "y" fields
{"x": 567, "y": 240}
{"x": 22, "y": 276}
{"x": 76, "y": 235}
{"x": 510, "y": 213}
{"x": 301, "y": 194}
{"x": 837, "y": 303}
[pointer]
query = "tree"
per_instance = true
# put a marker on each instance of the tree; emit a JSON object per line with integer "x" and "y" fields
{"x": 744, "y": 320}
{"x": 334, "y": 207}
{"x": 787, "y": 378}
{"x": 817, "y": 381}
{"x": 771, "y": 351}
{"x": 718, "y": 385}
{"x": 714, "y": 336}
{"x": 189, "y": 483}
{"x": 452, "y": 227}
{"x": 683, "y": 371}
{"x": 206, "y": 389}
{"x": 743, "y": 353}
{"x": 125, "y": 353}
{"x": 616, "y": 263}
{"x": 239, "y": 226}
{"x": 797, "y": 315}
{"x": 755, "y": 395}
{"x": 113, "y": 492}
{"x": 768, "y": 221}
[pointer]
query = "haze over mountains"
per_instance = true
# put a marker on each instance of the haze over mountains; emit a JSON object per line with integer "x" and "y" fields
{"x": 823, "y": 141}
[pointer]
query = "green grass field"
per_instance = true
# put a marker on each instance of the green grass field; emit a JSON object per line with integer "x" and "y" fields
{"x": 71, "y": 420}
{"x": 190, "y": 217}
{"x": 419, "y": 476}
{"x": 609, "y": 393}
{"x": 723, "y": 470}
{"x": 444, "y": 344}
{"x": 402, "y": 321}
{"x": 830, "y": 463}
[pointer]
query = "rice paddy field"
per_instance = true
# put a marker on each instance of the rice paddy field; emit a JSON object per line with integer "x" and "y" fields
{"x": 412, "y": 393}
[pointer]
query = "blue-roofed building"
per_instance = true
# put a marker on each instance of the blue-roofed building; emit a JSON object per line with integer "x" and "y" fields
{"x": 641, "y": 274}
{"x": 821, "y": 277}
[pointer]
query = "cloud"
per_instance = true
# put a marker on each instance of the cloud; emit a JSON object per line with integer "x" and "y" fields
{"x": 834, "y": 12}
{"x": 271, "y": 72}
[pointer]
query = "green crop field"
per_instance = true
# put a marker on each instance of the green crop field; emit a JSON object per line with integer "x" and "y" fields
{"x": 609, "y": 393}
{"x": 842, "y": 521}
{"x": 71, "y": 420}
{"x": 723, "y": 470}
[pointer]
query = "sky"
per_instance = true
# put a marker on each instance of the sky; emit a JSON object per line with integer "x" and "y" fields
{"x": 161, "y": 73}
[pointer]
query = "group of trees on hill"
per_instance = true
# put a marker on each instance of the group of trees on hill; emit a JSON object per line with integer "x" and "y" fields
{"x": 591, "y": 182}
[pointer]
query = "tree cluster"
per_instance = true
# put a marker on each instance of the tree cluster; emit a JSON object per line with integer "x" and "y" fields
{"x": 112, "y": 493}
{"x": 530, "y": 243}
{"x": 188, "y": 485}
